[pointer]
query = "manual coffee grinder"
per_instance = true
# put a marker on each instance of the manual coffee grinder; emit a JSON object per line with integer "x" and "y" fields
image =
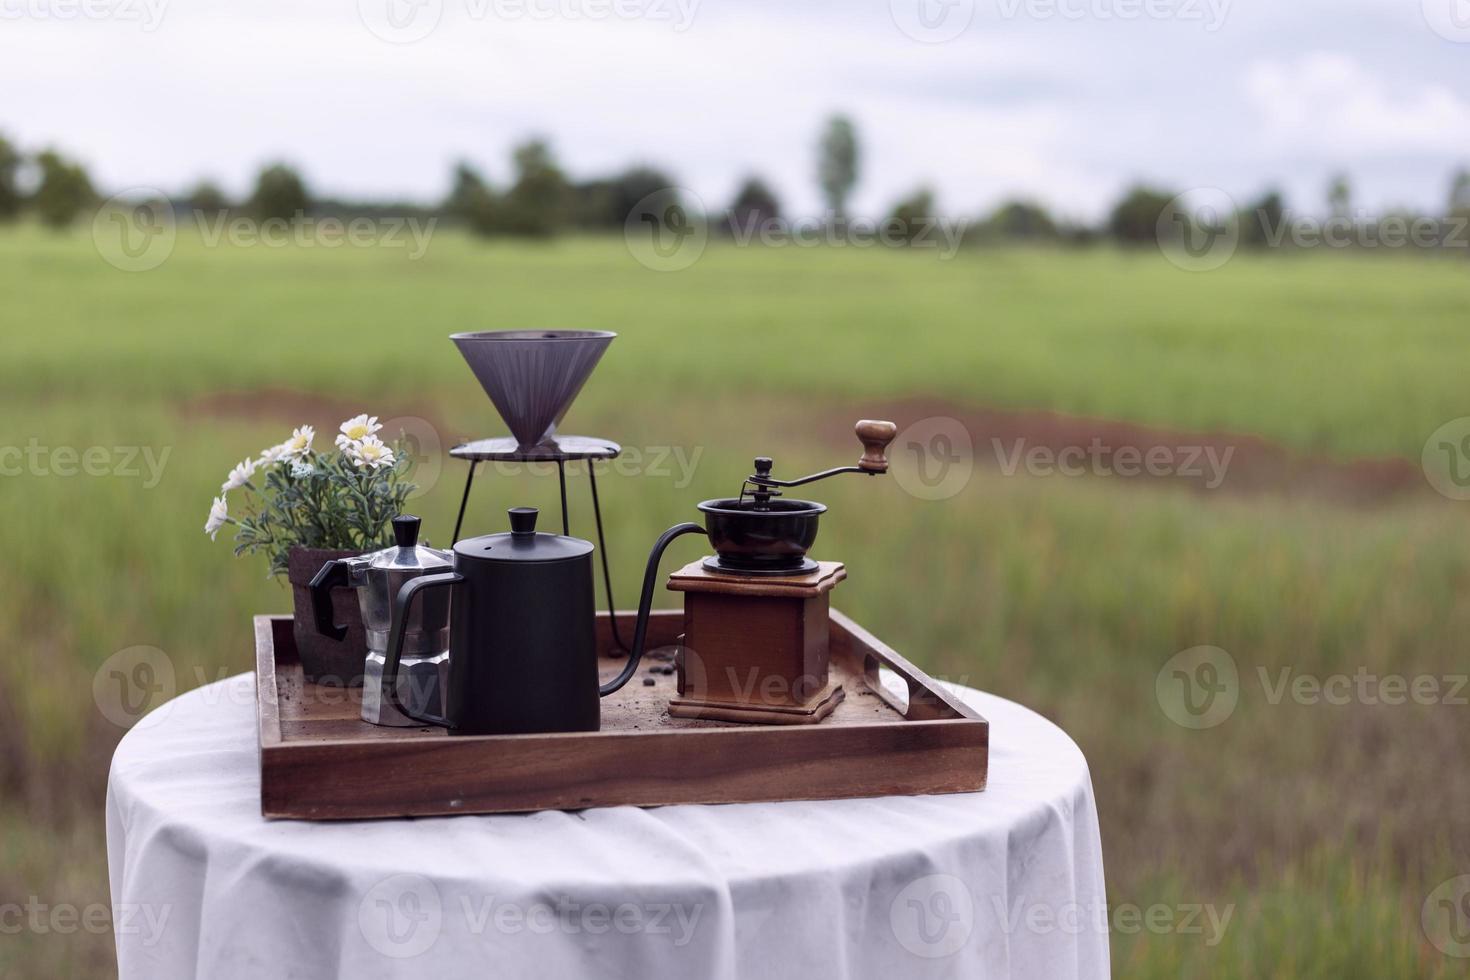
{"x": 755, "y": 641}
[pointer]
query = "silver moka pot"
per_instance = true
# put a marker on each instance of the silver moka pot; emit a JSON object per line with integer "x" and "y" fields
{"x": 377, "y": 578}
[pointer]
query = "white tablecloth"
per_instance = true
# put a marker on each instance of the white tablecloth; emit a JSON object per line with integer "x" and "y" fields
{"x": 1004, "y": 883}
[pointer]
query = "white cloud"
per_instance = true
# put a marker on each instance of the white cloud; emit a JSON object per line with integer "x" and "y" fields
{"x": 1331, "y": 102}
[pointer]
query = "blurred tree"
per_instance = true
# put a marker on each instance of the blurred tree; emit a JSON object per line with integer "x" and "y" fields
{"x": 638, "y": 185}
{"x": 1074, "y": 233}
{"x": 1261, "y": 222}
{"x": 467, "y": 191}
{"x": 607, "y": 203}
{"x": 754, "y": 204}
{"x": 1021, "y": 220}
{"x": 1340, "y": 197}
{"x": 592, "y": 204}
{"x": 65, "y": 190}
{"x": 207, "y": 197}
{"x": 10, "y": 196}
{"x": 1135, "y": 218}
{"x": 913, "y": 216}
{"x": 1459, "y": 205}
{"x": 837, "y": 164}
{"x": 279, "y": 193}
{"x": 471, "y": 200}
{"x": 539, "y": 203}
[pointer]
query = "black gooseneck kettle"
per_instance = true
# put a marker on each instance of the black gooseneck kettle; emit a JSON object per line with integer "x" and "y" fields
{"x": 522, "y": 635}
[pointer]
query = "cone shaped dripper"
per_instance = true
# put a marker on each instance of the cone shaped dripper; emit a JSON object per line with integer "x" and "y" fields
{"x": 532, "y": 376}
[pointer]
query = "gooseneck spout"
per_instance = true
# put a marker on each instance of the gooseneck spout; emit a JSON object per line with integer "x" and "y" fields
{"x": 650, "y": 579}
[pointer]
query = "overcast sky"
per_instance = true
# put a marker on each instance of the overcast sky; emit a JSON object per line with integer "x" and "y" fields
{"x": 1064, "y": 100}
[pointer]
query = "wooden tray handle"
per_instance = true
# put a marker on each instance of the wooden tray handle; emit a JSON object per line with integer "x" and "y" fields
{"x": 922, "y": 703}
{"x": 927, "y": 699}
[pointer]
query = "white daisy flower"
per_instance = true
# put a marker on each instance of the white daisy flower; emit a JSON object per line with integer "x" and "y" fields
{"x": 219, "y": 516}
{"x": 357, "y": 429}
{"x": 370, "y": 452}
{"x": 240, "y": 475}
{"x": 271, "y": 455}
{"x": 299, "y": 444}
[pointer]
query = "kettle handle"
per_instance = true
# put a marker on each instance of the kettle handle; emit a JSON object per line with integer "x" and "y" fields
{"x": 402, "y": 606}
{"x": 650, "y": 578}
{"x": 334, "y": 574}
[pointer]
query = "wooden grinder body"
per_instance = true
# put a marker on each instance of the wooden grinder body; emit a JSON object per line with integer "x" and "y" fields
{"x": 755, "y": 648}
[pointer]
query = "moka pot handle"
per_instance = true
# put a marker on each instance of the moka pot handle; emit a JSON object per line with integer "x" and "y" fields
{"x": 335, "y": 574}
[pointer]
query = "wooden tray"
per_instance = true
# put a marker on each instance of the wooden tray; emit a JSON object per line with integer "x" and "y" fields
{"x": 320, "y": 761}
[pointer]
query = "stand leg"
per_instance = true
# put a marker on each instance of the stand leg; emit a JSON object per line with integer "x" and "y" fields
{"x": 602, "y": 547}
{"x": 561, "y": 475}
{"x": 459, "y": 521}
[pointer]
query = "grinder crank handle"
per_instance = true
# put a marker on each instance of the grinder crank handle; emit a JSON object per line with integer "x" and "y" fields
{"x": 875, "y": 436}
{"x": 402, "y": 606}
{"x": 650, "y": 579}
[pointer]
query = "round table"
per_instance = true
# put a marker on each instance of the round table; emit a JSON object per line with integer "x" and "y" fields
{"x": 1004, "y": 883}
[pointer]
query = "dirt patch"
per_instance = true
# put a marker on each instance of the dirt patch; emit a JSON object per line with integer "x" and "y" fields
{"x": 291, "y": 408}
{"x": 1044, "y": 443}
{"x": 1011, "y": 442}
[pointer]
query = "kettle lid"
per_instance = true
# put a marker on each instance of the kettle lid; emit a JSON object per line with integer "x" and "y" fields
{"x": 407, "y": 553}
{"x": 523, "y": 542}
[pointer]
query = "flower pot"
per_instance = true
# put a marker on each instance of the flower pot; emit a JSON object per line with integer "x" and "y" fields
{"x": 324, "y": 660}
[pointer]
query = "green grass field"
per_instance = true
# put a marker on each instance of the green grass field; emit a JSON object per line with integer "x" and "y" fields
{"x": 1325, "y": 826}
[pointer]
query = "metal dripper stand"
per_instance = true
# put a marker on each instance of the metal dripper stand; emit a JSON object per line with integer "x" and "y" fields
{"x": 532, "y": 378}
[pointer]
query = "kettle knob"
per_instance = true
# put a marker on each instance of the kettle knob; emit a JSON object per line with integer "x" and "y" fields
{"x": 406, "y": 531}
{"x": 523, "y": 520}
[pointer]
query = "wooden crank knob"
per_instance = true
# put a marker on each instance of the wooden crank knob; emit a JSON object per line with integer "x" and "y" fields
{"x": 875, "y": 436}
